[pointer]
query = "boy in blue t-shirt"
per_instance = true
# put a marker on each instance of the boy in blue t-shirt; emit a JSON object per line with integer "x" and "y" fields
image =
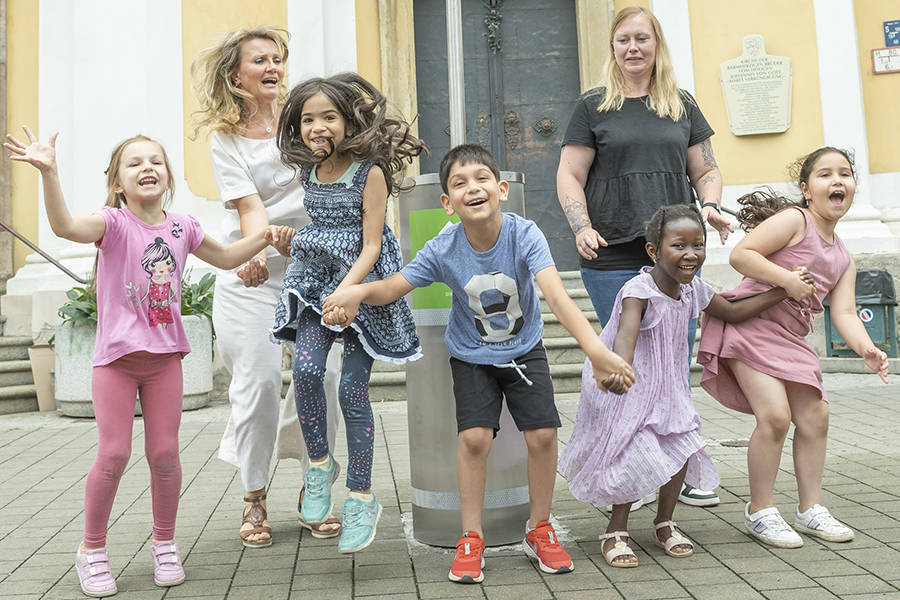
{"x": 490, "y": 261}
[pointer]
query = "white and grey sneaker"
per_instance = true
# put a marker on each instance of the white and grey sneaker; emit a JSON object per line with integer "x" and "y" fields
{"x": 767, "y": 526}
{"x": 818, "y": 522}
{"x": 693, "y": 497}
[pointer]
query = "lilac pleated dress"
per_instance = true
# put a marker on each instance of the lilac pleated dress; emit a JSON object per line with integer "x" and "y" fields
{"x": 625, "y": 447}
{"x": 774, "y": 341}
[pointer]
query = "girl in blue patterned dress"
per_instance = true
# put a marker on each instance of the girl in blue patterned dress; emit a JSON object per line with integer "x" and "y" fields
{"x": 337, "y": 132}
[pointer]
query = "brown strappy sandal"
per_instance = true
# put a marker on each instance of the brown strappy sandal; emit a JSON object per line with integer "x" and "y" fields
{"x": 316, "y": 530}
{"x": 256, "y": 516}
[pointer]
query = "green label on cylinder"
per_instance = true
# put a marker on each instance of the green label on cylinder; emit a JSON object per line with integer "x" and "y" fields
{"x": 424, "y": 225}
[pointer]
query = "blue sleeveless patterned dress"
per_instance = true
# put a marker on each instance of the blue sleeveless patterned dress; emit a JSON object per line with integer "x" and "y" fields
{"x": 322, "y": 254}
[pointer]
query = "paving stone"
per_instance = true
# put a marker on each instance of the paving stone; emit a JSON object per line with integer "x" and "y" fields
{"x": 855, "y": 584}
{"x": 862, "y": 480}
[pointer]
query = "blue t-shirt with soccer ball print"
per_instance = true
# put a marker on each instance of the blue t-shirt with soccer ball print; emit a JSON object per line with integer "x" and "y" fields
{"x": 495, "y": 315}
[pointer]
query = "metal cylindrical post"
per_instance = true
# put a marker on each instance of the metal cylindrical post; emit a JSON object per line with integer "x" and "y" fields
{"x": 431, "y": 406}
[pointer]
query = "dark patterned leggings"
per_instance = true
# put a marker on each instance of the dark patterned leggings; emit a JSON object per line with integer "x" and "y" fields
{"x": 313, "y": 342}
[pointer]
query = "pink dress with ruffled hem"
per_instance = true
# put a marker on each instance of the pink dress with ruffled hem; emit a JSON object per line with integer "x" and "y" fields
{"x": 773, "y": 342}
{"x": 625, "y": 447}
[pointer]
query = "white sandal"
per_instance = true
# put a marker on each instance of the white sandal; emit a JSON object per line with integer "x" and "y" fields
{"x": 620, "y": 548}
{"x": 676, "y": 539}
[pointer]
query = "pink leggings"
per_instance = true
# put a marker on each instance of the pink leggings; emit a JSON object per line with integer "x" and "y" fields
{"x": 114, "y": 387}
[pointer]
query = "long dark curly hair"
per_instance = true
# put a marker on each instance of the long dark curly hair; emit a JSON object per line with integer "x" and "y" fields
{"x": 376, "y": 136}
{"x": 759, "y": 205}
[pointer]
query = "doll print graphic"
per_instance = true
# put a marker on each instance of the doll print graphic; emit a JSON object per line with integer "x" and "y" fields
{"x": 159, "y": 262}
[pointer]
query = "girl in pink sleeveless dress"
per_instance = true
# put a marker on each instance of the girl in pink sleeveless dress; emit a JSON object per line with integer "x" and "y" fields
{"x": 764, "y": 366}
{"x": 624, "y": 447}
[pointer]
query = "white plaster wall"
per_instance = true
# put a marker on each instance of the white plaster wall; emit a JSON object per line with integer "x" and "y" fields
{"x": 110, "y": 70}
{"x": 323, "y": 38}
{"x": 675, "y": 18}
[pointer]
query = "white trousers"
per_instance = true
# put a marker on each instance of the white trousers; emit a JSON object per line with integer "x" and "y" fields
{"x": 242, "y": 317}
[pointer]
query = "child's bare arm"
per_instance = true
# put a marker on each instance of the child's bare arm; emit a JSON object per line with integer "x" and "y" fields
{"x": 735, "y": 311}
{"x": 629, "y": 326}
{"x": 235, "y": 253}
{"x": 606, "y": 363}
{"x": 846, "y": 321}
{"x": 373, "y": 206}
{"x": 83, "y": 229}
{"x": 376, "y": 293}
{"x": 750, "y": 256}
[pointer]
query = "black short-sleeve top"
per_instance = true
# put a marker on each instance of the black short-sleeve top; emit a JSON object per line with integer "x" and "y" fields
{"x": 640, "y": 165}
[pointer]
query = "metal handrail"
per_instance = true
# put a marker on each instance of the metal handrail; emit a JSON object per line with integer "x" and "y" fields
{"x": 49, "y": 258}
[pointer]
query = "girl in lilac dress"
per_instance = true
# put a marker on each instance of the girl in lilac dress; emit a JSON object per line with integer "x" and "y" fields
{"x": 624, "y": 447}
{"x": 764, "y": 366}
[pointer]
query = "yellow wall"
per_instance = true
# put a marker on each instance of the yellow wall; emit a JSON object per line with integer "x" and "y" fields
{"x": 22, "y": 106}
{"x": 620, "y": 4}
{"x": 201, "y": 19}
{"x": 368, "y": 42}
{"x": 881, "y": 93}
{"x": 717, "y": 31}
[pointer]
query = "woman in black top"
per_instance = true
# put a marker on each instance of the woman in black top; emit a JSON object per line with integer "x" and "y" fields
{"x": 634, "y": 145}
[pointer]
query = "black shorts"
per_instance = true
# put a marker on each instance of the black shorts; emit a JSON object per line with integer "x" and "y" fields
{"x": 479, "y": 391}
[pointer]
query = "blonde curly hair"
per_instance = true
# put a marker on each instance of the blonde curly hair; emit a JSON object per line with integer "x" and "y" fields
{"x": 224, "y": 106}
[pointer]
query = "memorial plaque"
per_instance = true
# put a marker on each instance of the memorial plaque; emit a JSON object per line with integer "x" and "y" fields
{"x": 892, "y": 33}
{"x": 757, "y": 90}
{"x": 885, "y": 60}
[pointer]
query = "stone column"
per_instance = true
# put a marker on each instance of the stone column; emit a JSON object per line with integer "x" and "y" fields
{"x": 844, "y": 121}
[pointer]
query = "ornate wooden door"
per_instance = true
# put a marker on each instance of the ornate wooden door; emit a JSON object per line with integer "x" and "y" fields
{"x": 521, "y": 82}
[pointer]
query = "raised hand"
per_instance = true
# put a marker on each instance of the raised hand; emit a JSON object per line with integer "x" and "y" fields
{"x": 41, "y": 156}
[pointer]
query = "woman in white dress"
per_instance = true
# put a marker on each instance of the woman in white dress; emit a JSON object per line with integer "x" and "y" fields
{"x": 240, "y": 84}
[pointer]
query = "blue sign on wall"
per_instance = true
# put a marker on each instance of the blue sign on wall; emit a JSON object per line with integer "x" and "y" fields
{"x": 891, "y": 33}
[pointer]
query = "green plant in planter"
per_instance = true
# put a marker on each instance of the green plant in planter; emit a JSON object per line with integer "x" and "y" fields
{"x": 81, "y": 308}
{"x": 196, "y": 299}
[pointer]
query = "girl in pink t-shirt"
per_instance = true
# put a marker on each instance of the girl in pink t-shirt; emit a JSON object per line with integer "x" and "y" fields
{"x": 135, "y": 350}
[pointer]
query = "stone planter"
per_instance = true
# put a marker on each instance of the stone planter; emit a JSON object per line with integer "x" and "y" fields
{"x": 75, "y": 352}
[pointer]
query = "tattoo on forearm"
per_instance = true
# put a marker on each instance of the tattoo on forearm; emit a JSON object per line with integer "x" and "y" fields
{"x": 708, "y": 158}
{"x": 576, "y": 214}
{"x": 707, "y": 179}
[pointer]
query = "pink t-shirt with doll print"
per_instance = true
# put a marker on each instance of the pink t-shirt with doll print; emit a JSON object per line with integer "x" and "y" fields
{"x": 139, "y": 272}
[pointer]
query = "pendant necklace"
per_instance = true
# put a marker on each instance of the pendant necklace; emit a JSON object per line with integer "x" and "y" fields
{"x": 268, "y": 127}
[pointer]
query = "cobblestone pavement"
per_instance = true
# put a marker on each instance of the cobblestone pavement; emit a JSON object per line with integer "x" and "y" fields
{"x": 44, "y": 458}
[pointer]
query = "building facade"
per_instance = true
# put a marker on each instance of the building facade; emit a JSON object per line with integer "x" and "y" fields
{"x": 99, "y": 71}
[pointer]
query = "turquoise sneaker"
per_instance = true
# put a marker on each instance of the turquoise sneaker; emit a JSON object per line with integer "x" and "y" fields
{"x": 360, "y": 519}
{"x": 317, "y": 500}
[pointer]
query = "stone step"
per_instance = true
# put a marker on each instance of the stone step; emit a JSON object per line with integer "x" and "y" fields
{"x": 15, "y": 372}
{"x": 14, "y": 348}
{"x": 571, "y": 280}
{"x": 554, "y": 329}
{"x": 578, "y": 295}
{"x": 18, "y": 398}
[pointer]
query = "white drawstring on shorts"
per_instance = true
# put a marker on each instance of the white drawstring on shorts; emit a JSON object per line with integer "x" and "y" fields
{"x": 513, "y": 365}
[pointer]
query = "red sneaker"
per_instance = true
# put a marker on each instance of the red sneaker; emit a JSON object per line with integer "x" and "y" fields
{"x": 541, "y": 544}
{"x": 469, "y": 561}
